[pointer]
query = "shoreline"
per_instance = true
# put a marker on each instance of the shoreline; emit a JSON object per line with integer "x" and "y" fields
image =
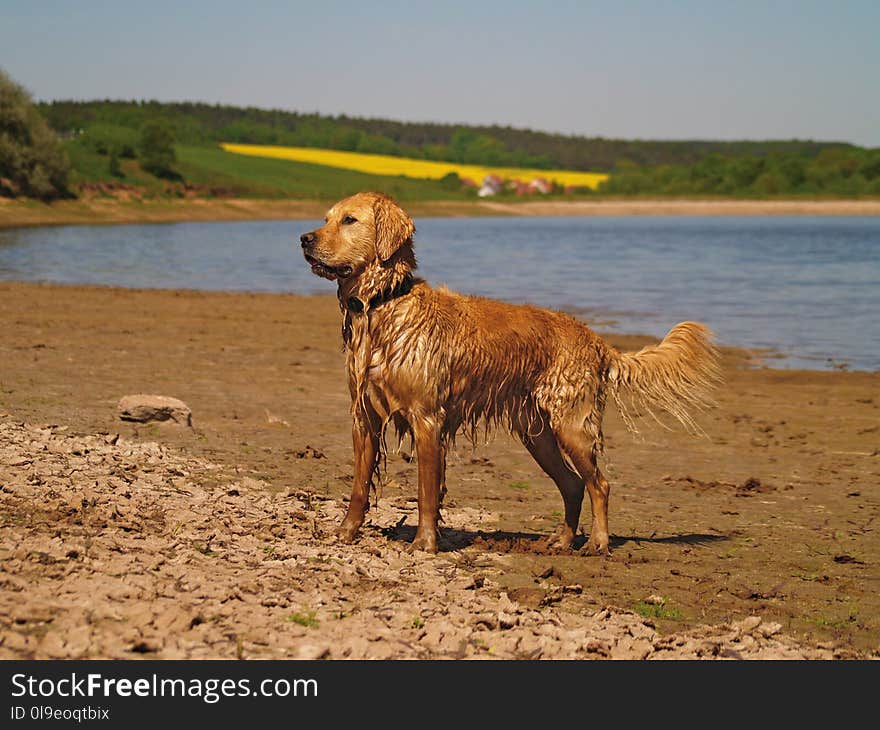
{"x": 744, "y": 356}
{"x": 17, "y": 213}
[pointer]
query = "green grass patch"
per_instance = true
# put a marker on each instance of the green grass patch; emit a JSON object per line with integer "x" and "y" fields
{"x": 808, "y": 577}
{"x": 830, "y": 623}
{"x": 204, "y": 549}
{"x": 306, "y": 618}
{"x": 517, "y": 485}
{"x": 657, "y": 610}
{"x": 90, "y": 166}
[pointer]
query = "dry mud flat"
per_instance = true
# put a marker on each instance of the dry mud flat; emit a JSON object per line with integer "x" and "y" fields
{"x": 774, "y": 514}
{"x": 113, "y": 548}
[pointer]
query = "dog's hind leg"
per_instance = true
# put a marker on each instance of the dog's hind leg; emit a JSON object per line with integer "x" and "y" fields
{"x": 581, "y": 450}
{"x": 545, "y": 450}
{"x": 442, "y": 492}
{"x": 365, "y": 432}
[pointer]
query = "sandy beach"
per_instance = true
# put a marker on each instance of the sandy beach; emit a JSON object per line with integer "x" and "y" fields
{"x": 93, "y": 210}
{"x": 128, "y": 540}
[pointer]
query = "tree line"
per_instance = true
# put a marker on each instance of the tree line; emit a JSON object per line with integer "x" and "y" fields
{"x": 198, "y": 123}
{"x": 835, "y": 171}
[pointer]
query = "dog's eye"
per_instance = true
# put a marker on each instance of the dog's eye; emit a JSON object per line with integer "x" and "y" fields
{"x": 348, "y": 220}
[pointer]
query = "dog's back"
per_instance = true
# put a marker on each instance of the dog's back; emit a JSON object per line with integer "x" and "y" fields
{"x": 484, "y": 362}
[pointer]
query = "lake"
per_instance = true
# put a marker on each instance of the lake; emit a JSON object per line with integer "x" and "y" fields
{"x": 805, "y": 287}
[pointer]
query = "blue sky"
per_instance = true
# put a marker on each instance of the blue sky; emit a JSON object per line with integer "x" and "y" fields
{"x": 650, "y": 70}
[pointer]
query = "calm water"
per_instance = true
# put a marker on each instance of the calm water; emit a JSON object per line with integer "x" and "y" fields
{"x": 808, "y": 287}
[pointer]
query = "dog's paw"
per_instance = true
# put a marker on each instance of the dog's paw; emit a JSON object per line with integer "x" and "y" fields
{"x": 596, "y": 546}
{"x": 347, "y": 533}
{"x": 559, "y": 541}
{"x": 426, "y": 541}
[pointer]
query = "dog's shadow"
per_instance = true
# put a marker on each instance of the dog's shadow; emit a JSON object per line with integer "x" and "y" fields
{"x": 502, "y": 541}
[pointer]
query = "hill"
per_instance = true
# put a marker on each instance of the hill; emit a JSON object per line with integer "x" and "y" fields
{"x": 102, "y": 139}
{"x": 200, "y": 124}
{"x": 208, "y": 171}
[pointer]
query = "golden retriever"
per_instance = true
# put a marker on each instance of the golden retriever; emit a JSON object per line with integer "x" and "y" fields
{"x": 433, "y": 362}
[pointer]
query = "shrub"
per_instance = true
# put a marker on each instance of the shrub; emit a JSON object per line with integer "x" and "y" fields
{"x": 156, "y": 150}
{"x": 32, "y": 161}
{"x": 113, "y": 166}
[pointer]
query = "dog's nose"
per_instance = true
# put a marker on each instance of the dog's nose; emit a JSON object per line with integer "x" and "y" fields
{"x": 307, "y": 239}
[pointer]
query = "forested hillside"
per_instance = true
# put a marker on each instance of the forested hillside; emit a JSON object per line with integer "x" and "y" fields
{"x": 106, "y": 140}
{"x": 204, "y": 123}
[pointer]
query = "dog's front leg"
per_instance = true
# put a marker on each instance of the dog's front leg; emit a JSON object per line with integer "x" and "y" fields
{"x": 431, "y": 457}
{"x": 365, "y": 439}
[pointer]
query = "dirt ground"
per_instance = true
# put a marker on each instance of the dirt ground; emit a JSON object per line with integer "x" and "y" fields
{"x": 132, "y": 540}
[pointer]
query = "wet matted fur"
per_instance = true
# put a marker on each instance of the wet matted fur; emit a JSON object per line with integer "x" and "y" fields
{"x": 434, "y": 363}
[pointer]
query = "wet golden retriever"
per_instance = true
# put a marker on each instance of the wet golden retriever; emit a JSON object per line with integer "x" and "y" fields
{"x": 433, "y": 363}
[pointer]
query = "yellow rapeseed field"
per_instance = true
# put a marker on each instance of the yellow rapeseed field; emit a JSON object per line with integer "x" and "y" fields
{"x": 388, "y": 165}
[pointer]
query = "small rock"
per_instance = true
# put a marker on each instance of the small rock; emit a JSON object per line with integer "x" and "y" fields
{"x": 309, "y": 452}
{"x": 146, "y": 408}
{"x": 641, "y": 649}
{"x": 528, "y": 596}
{"x": 771, "y": 629}
{"x": 486, "y": 621}
{"x": 624, "y": 649}
{"x": 507, "y": 620}
{"x": 595, "y": 646}
{"x": 313, "y": 652}
{"x": 272, "y": 418}
{"x": 749, "y": 624}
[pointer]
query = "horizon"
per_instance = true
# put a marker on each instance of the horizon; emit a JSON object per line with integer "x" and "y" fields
{"x": 635, "y": 71}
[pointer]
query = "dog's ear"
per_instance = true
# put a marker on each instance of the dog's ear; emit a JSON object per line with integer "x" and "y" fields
{"x": 393, "y": 226}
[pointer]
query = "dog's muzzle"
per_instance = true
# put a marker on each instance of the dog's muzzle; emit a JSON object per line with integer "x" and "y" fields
{"x": 319, "y": 268}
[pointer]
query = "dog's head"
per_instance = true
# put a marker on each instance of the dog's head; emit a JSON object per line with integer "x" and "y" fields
{"x": 357, "y": 231}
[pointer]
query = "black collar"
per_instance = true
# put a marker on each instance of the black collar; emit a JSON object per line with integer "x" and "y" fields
{"x": 356, "y": 306}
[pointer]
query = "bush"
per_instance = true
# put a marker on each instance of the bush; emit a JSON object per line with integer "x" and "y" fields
{"x": 450, "y": 181}
{"x": 113, "y": 166}
{"x": 156, "y": 150}
{"x": 32, "y": 160}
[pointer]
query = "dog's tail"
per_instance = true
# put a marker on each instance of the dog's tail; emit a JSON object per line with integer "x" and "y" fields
{"x": 676, "y": 376}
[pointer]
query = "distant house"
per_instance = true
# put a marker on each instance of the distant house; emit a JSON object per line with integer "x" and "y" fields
{"x": 540, "y": 185}
{"x": 492, "y": 185}
{"x": 518, "y": 187}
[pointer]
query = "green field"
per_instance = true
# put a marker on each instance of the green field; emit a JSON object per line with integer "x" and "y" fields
{"x": 215, "y": 167}
{"x": 90, "y": 167}
{"x": 223, "y": 173}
